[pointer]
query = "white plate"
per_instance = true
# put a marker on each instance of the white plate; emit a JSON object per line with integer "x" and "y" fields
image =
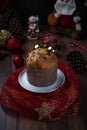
{"x": 22, "y": 78}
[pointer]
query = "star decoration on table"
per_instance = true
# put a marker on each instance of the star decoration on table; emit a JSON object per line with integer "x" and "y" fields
{"x": 44, "y": 111}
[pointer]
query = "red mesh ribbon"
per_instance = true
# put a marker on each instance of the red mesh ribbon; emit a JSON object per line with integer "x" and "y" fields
{"x": 42, "y": 106}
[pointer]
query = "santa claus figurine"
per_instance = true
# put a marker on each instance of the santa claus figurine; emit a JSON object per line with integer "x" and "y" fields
{"x": 66, "y": 15}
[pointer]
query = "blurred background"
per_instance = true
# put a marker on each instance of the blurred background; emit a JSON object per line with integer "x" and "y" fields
{"x": 32, "y": 7}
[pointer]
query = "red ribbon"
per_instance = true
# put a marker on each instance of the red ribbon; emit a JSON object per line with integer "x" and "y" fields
{"x": 79, "y": 46}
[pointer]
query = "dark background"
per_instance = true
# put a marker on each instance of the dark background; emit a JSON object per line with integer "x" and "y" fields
{"x": 32, "y": 7}
{"x": 83, "y": 13}
{"x": 43, "y": 8}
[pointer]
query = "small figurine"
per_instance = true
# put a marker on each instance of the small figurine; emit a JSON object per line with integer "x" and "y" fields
{"x": 33, "y": 29}
{"x": 66, "y": 18}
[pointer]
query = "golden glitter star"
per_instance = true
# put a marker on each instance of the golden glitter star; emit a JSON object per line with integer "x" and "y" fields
{"x": 44, "y": 111}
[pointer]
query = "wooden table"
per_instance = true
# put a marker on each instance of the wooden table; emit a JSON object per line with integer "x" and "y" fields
{"x": 13, "y": 121}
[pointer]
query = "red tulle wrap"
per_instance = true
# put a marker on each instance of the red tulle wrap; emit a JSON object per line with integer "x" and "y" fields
{"x": 51, "y": 106}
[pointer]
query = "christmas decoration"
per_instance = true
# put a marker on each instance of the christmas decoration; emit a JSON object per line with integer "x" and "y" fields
{"x": 14, "y": 45}
{"x": 18, "y": 61}
{"x": 9, "y": 18}
{"x": 78, "y": 45}
{"x": 77, "y": 61}
{"x": 37, "y": 46}
{"x": 4, "y": 36}
{"x": 50, "y": 47}
{"x": 49, "y": 39}
{"x": 44, "y": 111}
{"x": 66, "y": 18}
{"x": 33, "y": 29}
{"x": 52, "y": 20}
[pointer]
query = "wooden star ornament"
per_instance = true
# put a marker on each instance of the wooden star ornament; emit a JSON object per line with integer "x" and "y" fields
{"x": 44, "y": 111}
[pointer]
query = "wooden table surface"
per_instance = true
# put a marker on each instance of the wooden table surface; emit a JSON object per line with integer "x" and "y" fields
{"x": 13, "y": 121}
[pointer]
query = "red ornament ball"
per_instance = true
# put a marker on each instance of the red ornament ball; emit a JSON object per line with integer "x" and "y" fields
{"x": 49, "y": 39}
{"x": 18, "y": 61}
{"x": 14, "y": 45}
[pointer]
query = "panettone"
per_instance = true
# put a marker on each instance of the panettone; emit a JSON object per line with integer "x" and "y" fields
{"x": 41, "y": 67}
